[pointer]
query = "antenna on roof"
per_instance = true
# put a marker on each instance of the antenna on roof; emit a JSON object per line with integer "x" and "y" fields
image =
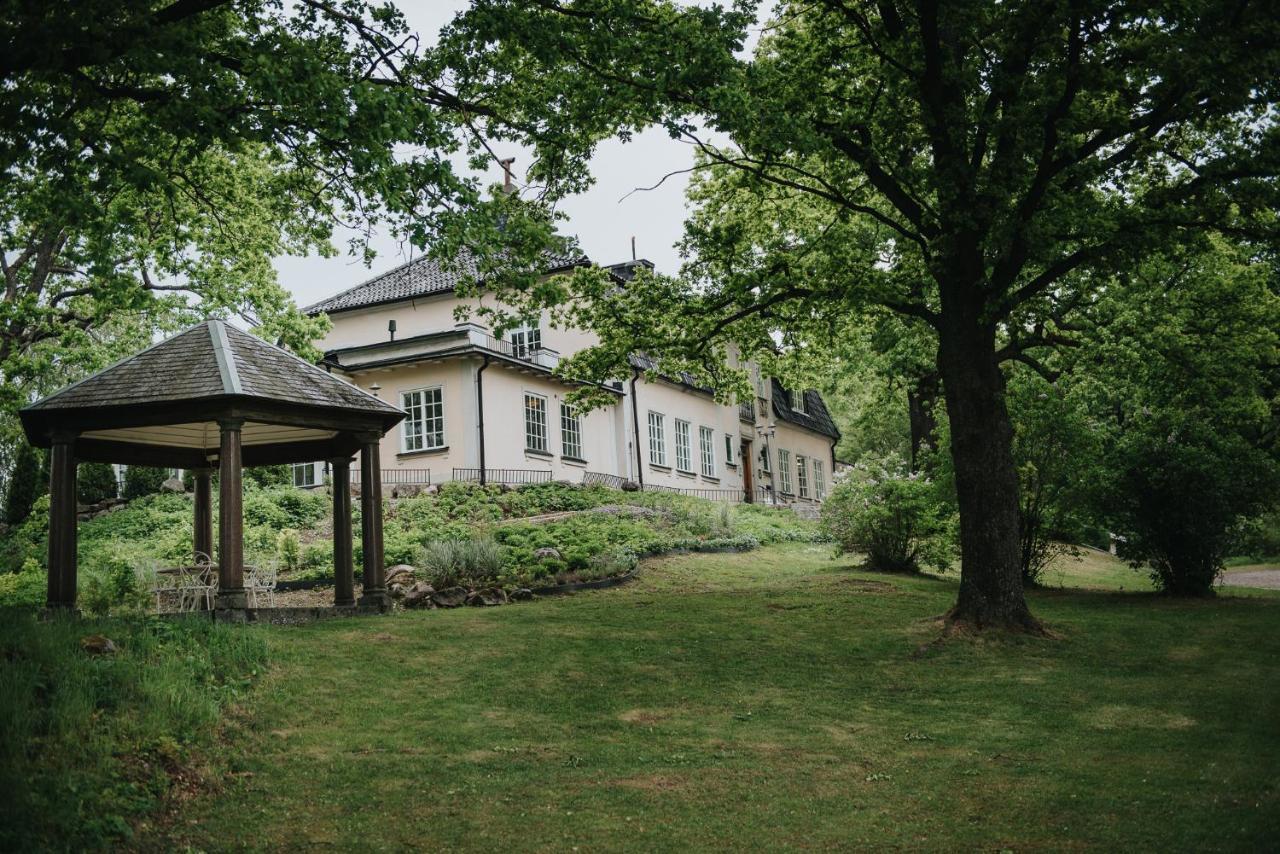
{"x": 508, "y": 186}
{"x": 633, "y": 247}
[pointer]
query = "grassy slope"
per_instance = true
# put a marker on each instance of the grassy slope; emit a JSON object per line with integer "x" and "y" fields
{"x": 759, "y": 701}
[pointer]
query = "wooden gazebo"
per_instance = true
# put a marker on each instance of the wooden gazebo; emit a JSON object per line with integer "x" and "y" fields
{"x": 216, "y": 398}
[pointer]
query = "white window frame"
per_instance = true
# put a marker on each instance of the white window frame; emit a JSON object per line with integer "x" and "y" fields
{"x": 819, "y": 480}
{"x": 309, "y": 479}
{"x": 798, "y": 404}
{"x": 415, "y": 434}
{"x": 802, "y": 475}
{"x": 766, "y": 462}
{"x": 525, "y": 339}
{"x": 784, "y": 470}
{"x": 657, "y": 439}
{"x": 684, "y": 446}
{"x": 728, "y": 449}
{"x": 535, "y": 422}
{"x": 707, "y": 447}
{"x": 570, "y": 432}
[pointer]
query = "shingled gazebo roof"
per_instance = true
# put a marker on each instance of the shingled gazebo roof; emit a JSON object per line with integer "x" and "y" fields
{"x": 162, "y": 405}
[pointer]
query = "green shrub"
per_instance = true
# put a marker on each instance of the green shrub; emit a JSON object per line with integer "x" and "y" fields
{"x": 452, "y": 563}
{"x": 95, "y": 482}
{"x": 892, "y": 515}
{"x": 84, "y": 739}
{"x": 317, "y": 557}
{"x": 289, "y": 550}
{"x": 25, "y": 484}
{"x": 269, "y": 477}
{"x": 143, "y": 480}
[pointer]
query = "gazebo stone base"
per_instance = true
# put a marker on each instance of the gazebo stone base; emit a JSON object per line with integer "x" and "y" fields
{"x": 376, "y": 598}
{"x": 230, "y": 600}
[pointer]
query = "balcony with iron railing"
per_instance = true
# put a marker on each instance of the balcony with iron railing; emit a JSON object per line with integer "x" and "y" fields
{"x": 464, "y": 336}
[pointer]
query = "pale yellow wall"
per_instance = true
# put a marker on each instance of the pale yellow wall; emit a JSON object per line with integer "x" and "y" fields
{"x": 804, "y": 443}
{"x": 677, "y": 402}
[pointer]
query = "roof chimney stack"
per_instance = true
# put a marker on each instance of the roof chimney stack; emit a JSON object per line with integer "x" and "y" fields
{"x": 508, "y": 186}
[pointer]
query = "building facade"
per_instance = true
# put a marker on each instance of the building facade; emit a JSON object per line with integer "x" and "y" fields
{"x": 487, "y": 408}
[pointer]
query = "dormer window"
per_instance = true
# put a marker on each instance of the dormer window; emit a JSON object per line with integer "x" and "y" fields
{"x": 526, "y": 339}
{"x": 797, "y": 402}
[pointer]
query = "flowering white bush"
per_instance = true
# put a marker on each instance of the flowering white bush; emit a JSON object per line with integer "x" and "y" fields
{"x": 892, "y": 515}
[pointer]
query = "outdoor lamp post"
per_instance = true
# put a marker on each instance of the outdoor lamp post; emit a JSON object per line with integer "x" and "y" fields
{"x": 766, "y": 434}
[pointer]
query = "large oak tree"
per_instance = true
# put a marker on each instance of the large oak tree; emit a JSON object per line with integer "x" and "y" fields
{"x": 1001, "y": 147}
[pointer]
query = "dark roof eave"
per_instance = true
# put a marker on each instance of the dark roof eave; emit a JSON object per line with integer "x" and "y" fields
{"x": 456, "y": 352}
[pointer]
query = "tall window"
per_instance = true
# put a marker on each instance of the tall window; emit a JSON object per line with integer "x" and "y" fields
{"x": 570, "y": 432}
{"x": 304, "y": 474}
{"x": 728, "y": 449}
{"x": 525, "y": 339}
{"x": 535, "y": 422}
{"x": 657, "y": 440}
{"x": 684, "y": 449}
{"x": 819, "y": 481}
{"x": 784, "y": 469}
{"x": 765, "y": 454}
{"x": 707, "y": 447}
{"x": 424, "y": 428}
{"x": 797, "y": 401}
{"x": 802, "y": 475}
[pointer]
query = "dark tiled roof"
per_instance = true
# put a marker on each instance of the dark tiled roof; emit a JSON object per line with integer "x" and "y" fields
{"x": 626, "y": 270}
{"x": 644, "y": 363}
{"x": 212, "y": 360}
{"x": 418, "y": 278}
{"x": 815, "y": 418}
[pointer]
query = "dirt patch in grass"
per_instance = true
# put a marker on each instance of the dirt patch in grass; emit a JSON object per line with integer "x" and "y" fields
{"x": 644, "y": 717}
{"x": 1132, "y": 717}
{"x": 652, "y": 783}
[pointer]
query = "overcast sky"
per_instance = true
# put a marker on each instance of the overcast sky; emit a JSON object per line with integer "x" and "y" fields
{"x": 601, "y": 219}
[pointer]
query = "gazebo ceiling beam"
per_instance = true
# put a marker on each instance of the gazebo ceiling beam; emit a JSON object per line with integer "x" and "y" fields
{"x": 165, "y": 456}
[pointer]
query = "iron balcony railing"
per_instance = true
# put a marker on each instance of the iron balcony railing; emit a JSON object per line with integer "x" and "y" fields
{"x": 599, "y": 478}
{"x": 418, "y": 477}
{"x": 543, "y": 357}
{"x": 506, "y": 477}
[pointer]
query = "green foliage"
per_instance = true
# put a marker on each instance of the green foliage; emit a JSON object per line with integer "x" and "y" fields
{"x": 143, "y": 480}
{"x": 95, "y": 482}
{"x": 289, "y": 550}
{"x": 471, "y": 563}
{"x": 269, "y": 477}
{"x": 23, "y": 485}
{"x": 90, "y": 743}
{"x": 1180, "y": 378}
{"x": 892, "y": 515}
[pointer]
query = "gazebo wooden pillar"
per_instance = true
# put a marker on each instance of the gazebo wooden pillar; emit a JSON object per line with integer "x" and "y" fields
{"x": 343, "y": 563}
{"x": 62, "y": 522}
{"x": 375, "y": 588}
{"x": 230, "y": 517}
{"x": 202, "y": 538}
{"x": 214, "y": 393}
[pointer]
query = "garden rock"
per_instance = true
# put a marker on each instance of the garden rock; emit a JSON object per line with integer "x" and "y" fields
{"x": 98, "y": 645}
{"x": 401, "y": 573}
{"x": 450, "y": 597}
{"x": 487, "y": 596}
{"x": 173, "y": 484}
{"x": 419, "y": 595}
{"x": 630, "y": 486}
{"x": 547, "y": 553}
{"x": 521, "y": 594}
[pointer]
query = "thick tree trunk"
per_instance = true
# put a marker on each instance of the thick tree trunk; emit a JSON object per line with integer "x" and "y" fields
{"x": 986, "y": 480}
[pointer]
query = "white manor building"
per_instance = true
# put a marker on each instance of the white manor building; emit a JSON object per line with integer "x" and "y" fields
{"x": 480, "y": 407}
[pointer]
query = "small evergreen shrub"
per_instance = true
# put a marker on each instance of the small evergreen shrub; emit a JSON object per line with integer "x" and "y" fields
{"x": 289, "y": 550}
{"x": 25, "y": 484}
{"x": 143, "y": 480}
{"x": 95, "y": 482}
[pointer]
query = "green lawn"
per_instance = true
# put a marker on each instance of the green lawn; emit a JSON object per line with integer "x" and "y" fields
{"x": 764, "y": 700}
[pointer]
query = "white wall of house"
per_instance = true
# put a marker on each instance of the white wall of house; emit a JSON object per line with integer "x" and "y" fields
{"x": 608, "y": 435}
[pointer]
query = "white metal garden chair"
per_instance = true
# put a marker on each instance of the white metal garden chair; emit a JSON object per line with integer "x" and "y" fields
{"x": 198, "y": 583}
{"x": 260, "y": 581}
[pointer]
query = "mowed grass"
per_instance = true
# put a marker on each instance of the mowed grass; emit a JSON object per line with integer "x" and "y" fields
{"x": 776, "y": 699}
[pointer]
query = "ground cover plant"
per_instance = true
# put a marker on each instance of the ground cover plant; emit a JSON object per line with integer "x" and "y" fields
{"x": 90, "y": 744}
{"x": 776, "y": 699}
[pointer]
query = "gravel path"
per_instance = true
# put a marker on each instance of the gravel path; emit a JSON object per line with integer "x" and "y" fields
{"x": 1266, "y": 578}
